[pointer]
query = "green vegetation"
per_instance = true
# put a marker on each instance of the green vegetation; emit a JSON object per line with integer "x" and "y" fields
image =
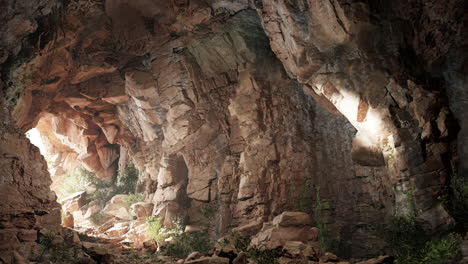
{"x": 241, "y": 243}
{"x": 74, "y": 182}
{"x": 55, "y": 252}
{"x": 405, "y": 235}
{"x": 325, "y": 236}
{"x": 155, "y": 229}
{"x": 186, "y": 243}
{"x": 102, "y": 196}
{"x": 126, "y": 183}
{"x": 411, "y": 243}
{"x": 302, "y": 196}
{"x": 258, "y": 255}
{"x": 134, "y": 198}
{"x": 458, "y": 203}
{"x": 182, "y": 243}
{"x": 127, "y": 179}
{"x": 98, "y": 218}
{"x": 263, "y": 256}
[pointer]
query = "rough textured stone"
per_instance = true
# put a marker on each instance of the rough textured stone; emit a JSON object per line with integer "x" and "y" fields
{"x": 252, "y": 108}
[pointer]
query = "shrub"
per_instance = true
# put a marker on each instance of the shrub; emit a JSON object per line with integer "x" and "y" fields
{"x": 410, "y": 243}
{"x": 77, "y": 181}
{"x": 102, "y": 196}
{"x": 186, "y": 243}
{"x": 442, "y": 251}
{"x": 134, "y": 198}
{"x": 98, "y": 218}
{"x": 182, "y": 243}
{"x": 263, "y": 256}
{"x": 56, "y": 253}
{"x": 405, "y": 237}
{"x": 458, "y": 202}
{"x": 155, "y": 229}
{"x": 127, "y": 179}
{"x": 325, "y": 236}
{"x": 241, "y": 243}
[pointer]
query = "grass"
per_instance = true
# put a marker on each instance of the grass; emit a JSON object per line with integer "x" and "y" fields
{"x": 155, "y": 229}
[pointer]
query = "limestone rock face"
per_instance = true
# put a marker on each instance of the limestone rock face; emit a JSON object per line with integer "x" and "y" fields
{"x": 28, "y": 204}
{"x": 284, "y": 229}
{"x": 119, "y": 207}
{"x": 248, "y": 108}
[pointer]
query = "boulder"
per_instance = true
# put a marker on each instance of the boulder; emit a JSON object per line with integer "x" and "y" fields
{"x": 118, "y": 230}
{"x": 118, "y": 206}
{"x": 209, "y": 260}
{"x": 298, "y": 249}
{"x": 379, "y": 260}
{"x": 26, "y": 235}
{"x": 68, "y": 220}
{"x": 249, "y": 229}
{"x": 75, "y": 201}
{"x": 292, "y": 219}
{"x": 289, "y": 226}
{"x": 92, "y": 210}
{"x": 142, "y": 209}
{"x": 107, "y": 225}
{"x": 193, "y": 256}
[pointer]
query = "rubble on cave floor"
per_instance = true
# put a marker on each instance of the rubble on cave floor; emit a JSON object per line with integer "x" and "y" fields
{"x": 288, "y": 239}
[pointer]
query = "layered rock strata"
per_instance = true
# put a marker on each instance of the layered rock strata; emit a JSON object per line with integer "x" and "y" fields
{"x": 250, "y": 107}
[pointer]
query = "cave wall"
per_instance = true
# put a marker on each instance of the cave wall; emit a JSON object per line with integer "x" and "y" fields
{"x": 251, "y": 106}
{"x": 27, "y": 204}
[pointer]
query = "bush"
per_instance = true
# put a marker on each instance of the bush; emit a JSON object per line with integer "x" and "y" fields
{"x": 405, "y": 236}
{"x": 182, "y": 243}
{"x": 458, "y": 203}
{"x": 54, "y": 252}
{"x": 134, "y": 198}
{"x": 186, "y": 243}
{"x": 102, "y": 196}
{"x": 74, "y": 182}
{"x": 155, "y": 229}
{"x": 410, "y": 243}
{"x": 325, "y": 236}
{"x": 442, "y": 251}
{"x": 241, "y": 243}
{"x": 263, "y": 256}
{"x": 98, "y": 218}
{"x": 127, "y": 179}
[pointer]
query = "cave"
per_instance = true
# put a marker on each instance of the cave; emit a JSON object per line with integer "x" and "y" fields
{"x": 232, "y": 131}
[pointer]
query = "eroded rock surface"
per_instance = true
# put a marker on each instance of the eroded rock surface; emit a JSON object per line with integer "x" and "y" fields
{"x": 251, "y": 108}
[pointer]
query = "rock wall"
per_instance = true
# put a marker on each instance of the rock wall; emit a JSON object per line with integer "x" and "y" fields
{"x": 255, "y": 107}
{"x": 28, "y": 206}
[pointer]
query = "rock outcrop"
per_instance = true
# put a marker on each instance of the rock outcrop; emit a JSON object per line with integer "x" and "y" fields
{"x": 250, "y": 108}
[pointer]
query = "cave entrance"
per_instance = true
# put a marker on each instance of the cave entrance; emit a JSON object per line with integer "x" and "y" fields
{"x": 91, "y": 189}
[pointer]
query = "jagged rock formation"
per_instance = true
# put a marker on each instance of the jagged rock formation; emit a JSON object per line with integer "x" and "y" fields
{"x": 250, "y": 107}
